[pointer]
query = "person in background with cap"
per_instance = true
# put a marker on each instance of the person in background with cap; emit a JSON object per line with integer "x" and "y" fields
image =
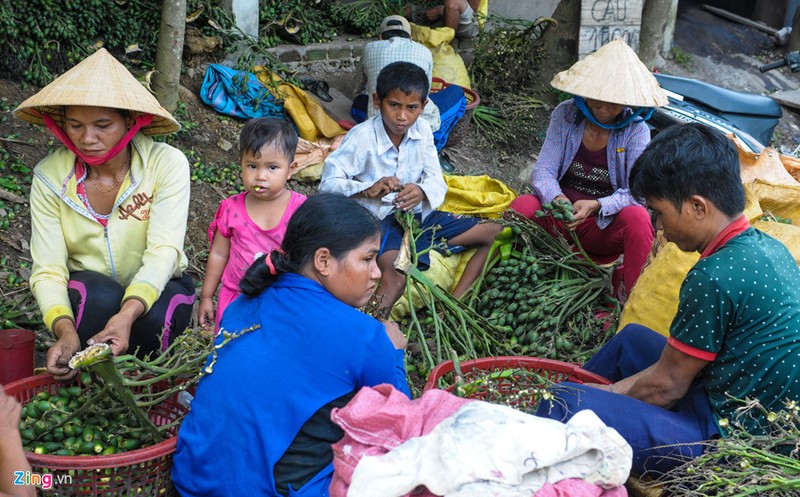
{"x": 591, "y": 144}
{"x": 394, "y": 45}
{"x": 443, "y": 108}
{"x": 109, "y": 213}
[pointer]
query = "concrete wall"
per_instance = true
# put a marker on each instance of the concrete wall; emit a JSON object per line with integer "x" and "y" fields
{"x": 523, "y": 9}
{"x": 669, "y": 32}
{"x": 335, "y": 61}
{"x": 245, "y": 14}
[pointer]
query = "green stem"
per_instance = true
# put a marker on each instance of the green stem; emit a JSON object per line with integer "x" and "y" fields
{"x": 421, "y": 341}
{"x": 583, "y": 252}
{"x": 108, "y": 372}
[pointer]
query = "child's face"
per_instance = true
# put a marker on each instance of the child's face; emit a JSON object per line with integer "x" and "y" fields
{"x": 264, "y": 174}
{"x": 399, "y": 112}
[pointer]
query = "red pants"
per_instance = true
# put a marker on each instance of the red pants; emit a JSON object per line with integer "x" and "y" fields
{"x": 630, "y": 234}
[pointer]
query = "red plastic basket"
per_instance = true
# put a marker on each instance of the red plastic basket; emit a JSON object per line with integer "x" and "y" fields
{"x": 473, "y": 99}
{"x": 144, "y": 471}
{"x": 463, "y": 127}
{"x": 510, "y": 384}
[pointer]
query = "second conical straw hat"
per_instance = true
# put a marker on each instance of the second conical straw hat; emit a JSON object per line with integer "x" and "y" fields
{"x": 613, "y": 74}
{"x": 97, "y": 81}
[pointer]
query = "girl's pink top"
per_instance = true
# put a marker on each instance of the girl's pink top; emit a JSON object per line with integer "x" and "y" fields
{"x": 248, "y": 241}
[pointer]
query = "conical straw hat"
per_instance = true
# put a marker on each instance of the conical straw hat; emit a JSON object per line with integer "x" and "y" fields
{"x": 613, "y": 74}
{"x": 97, "y": 81}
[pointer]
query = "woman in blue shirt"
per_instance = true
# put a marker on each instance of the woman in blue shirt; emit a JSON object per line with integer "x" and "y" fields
{"x": 260, "y": 422}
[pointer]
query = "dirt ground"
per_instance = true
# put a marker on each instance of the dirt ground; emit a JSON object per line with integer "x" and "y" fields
{"x": 711, "y": 49}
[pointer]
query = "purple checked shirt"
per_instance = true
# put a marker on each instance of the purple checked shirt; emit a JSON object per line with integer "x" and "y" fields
{"x": 564, "y": 135}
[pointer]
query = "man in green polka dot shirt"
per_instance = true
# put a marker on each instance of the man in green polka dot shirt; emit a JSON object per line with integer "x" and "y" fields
{"x": 736, "y": 334}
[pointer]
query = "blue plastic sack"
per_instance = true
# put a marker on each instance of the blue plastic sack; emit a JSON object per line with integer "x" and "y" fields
{"x": 452, "y": 105}
{"x": 238, "y": 94}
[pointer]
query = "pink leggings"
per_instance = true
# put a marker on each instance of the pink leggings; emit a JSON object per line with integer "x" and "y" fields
{"x": 630, "y": 234}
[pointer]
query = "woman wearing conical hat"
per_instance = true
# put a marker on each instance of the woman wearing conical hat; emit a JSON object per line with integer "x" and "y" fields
{"x": 109, "y": 213}
{"x": 591, "y": 144}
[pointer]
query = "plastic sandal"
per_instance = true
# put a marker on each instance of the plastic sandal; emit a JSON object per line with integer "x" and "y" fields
{"x": 445, "y": 164}
{"x": 318, "y": 88}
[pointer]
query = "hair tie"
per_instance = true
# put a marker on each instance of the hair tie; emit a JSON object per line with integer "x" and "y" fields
{"x": 270, "y": 265}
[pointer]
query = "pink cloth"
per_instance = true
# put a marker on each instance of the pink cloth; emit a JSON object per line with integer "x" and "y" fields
{"x": 248, "y": 241}
{"x": 574, "y": 487}
{"x": 379, "y": 419}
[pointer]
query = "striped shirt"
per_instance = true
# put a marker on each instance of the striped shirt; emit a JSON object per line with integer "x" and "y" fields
{"x": 564, "y": 136}
{"x": 367, "y": 154}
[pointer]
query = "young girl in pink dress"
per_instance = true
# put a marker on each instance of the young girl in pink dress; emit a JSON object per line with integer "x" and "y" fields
{"x": 253, "y": 222}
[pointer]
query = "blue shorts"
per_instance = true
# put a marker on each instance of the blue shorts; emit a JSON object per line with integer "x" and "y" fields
{"x": 446, "y": 226}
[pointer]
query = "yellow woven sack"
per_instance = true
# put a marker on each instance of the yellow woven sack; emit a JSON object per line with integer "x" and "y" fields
{"x": 445, "y": 271}
{"x": 309, "y": 174}
{"x": 752, "y": 208}
{"x": 309, "y": 116}
{"x": 481, "y": 196}
{"x": 483, "y": 11}
{"x": 653, "y": 301}
{"x": 447, "y": 64}
{"x": 768, "y": 165}
{"x": 792, "y": 166}
{"x": 788, "y": 234}
{"x": 778, "y": 200}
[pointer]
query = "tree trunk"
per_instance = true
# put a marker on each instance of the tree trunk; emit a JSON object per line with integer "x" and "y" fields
{"x": 655, "y": 17}
{"x": 166, "y": 80}
{"x": 561, "y": 42}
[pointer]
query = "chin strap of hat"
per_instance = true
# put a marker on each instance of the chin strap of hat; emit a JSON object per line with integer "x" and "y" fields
{"x": 635, "y": 117}
{"x": 141, "y": 121}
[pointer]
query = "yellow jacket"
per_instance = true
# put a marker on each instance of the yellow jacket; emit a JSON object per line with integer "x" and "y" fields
{"x": 142, "y": 245}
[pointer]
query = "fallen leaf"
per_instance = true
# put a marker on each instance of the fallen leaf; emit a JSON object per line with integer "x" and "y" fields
{"x": 194, "y": 15}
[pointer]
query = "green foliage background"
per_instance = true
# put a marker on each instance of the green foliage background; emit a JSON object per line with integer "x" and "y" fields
{"x": 40, "y": 39}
